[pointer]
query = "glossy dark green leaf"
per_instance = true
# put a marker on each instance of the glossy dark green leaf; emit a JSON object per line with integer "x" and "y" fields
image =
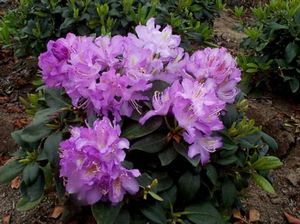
{"x": 30, "y": 173}
{"x": 16, "y": 135}
{"x": 145, "y": 179}
{"x": 136, "y": 130}
{"x": 10, "y": 170}
{"x": 269, "y": 140}
{"x": 164, "y": 181}
{"x": 167, "y": 156}
{"x": 68, "y": 22}
{"x": 204, "y": 213}
{"x": 51, "y": 147}
{"x": 123, "y": 217}
{"x": 294, "y": 84}
{"x": 212, "y": 174}
{"x": 188, "y": 185}
{"x": 183, "y": 151}
{"x": 54, "y": 98}
{"x": 230, "y": 116}
{"x": 169, "y": 197}
{"x": 267, "y": 163}
{"x": 229, "y": 193}
{"x": 227, "y": 160}
{"x": 155, "y": 213}
{"x": 34, "y": 190}
{"x": 291, "y": 51}
{"x": 105, "y": 213}
{"x": 38, "y": 129}
{"x": 151, "y": 144}
{"x": 24, "y": 204}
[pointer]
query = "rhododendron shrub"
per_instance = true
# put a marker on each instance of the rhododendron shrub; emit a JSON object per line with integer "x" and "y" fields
{"x": 141, "y": 130}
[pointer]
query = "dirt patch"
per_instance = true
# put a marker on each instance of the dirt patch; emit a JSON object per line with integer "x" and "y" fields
{"x": 225, "y": 32}
{"x": 280, "y": 118}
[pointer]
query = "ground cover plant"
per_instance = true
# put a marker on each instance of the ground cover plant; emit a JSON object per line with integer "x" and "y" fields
{"x": 140, "y": 130}
{"x": 272, "y": 47}
{"x": 34, "y": 22}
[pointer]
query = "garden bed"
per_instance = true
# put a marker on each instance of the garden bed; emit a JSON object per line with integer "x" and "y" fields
{"x": 278, "y": 116}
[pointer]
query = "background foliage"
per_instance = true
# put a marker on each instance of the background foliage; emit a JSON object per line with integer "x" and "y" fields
{"x": 273, "y": 45}
{"x": 35, "y": 22}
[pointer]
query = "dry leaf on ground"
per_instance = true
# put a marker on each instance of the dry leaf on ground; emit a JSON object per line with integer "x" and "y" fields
{"x": 57, "y": 211}
{"x": 15, "y": 183}
{"x": 254, "y": 215}
{"x": 6, "y": 219}
{"x": 291, "y": 219}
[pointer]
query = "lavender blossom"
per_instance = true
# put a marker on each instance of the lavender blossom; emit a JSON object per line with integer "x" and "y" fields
{"x": 91, "y": 164}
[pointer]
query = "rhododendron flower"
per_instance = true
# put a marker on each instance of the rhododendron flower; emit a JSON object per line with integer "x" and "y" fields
{"x": 91, "y": 164}
{"x": 111, "y": 76}
{"x": 203, "y": 146}
{"x": 162, "y": 43}
{"x": 216, "y": 64}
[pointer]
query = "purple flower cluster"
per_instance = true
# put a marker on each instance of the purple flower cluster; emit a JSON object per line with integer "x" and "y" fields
{"x": 196, "y": 100}
{"x": 91, "y": 164}
{"x": 110, "y": 75}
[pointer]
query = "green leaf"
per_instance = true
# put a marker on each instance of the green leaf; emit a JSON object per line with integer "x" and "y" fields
{"x": 151, "y": 144}
{"x": 230, "y": 116}
{"x": 267, "y": 163}
{"x": 155, "y": 196}
{"x": 227, "y": 160}
{"x": 38, "y": 129}
{"x": 16, "y": 135}
{"x": 294, "y": 84}
{"x": 155, "y": 213}
{"x": 167, "y": 156}
{"x": 51, "y": 147}
{"x": 169, "y": 197}
{"x": 164, "y": 181}
{"x": 252, "y": 70}
{"x": 105, "y": 213}
{"x": 204, "y": 213}
{"x": 10, "y": 170}
{"x": 291, "y": 51}
{"x": 263, "y": 183}
{"x": 269, "y": 140}
{"x": 48, "y": 175}
{"x": 188, "y": 185}
{"x": 136, "y": 130}
{"x": 34, "y": 190}
{"x": 123, "y": 217}
{"x": 276, "y": 26}
{"x": 182, "y": 150}
{"x": 252, "y": 65}
{"x": 212, "y": 174}
{"x": 30, "y": 173}
{"x": 67, "y": 23}
{"x": 228, "y": 193}
{"x": 54, "y": 98}
{"x": 24, "y": 204}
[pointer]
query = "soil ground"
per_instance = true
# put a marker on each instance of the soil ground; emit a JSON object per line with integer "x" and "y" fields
{"x": 278, "y": 116}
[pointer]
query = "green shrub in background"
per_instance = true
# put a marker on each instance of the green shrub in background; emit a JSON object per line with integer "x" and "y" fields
{"x": 273, "y": 45}
{"x": 35, "y": 22}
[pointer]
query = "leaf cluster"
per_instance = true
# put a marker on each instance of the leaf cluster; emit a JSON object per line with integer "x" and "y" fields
{"x": 273, "y": 45}
{"x": 35, "y": 22}
{"x": 173, "y": 187}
